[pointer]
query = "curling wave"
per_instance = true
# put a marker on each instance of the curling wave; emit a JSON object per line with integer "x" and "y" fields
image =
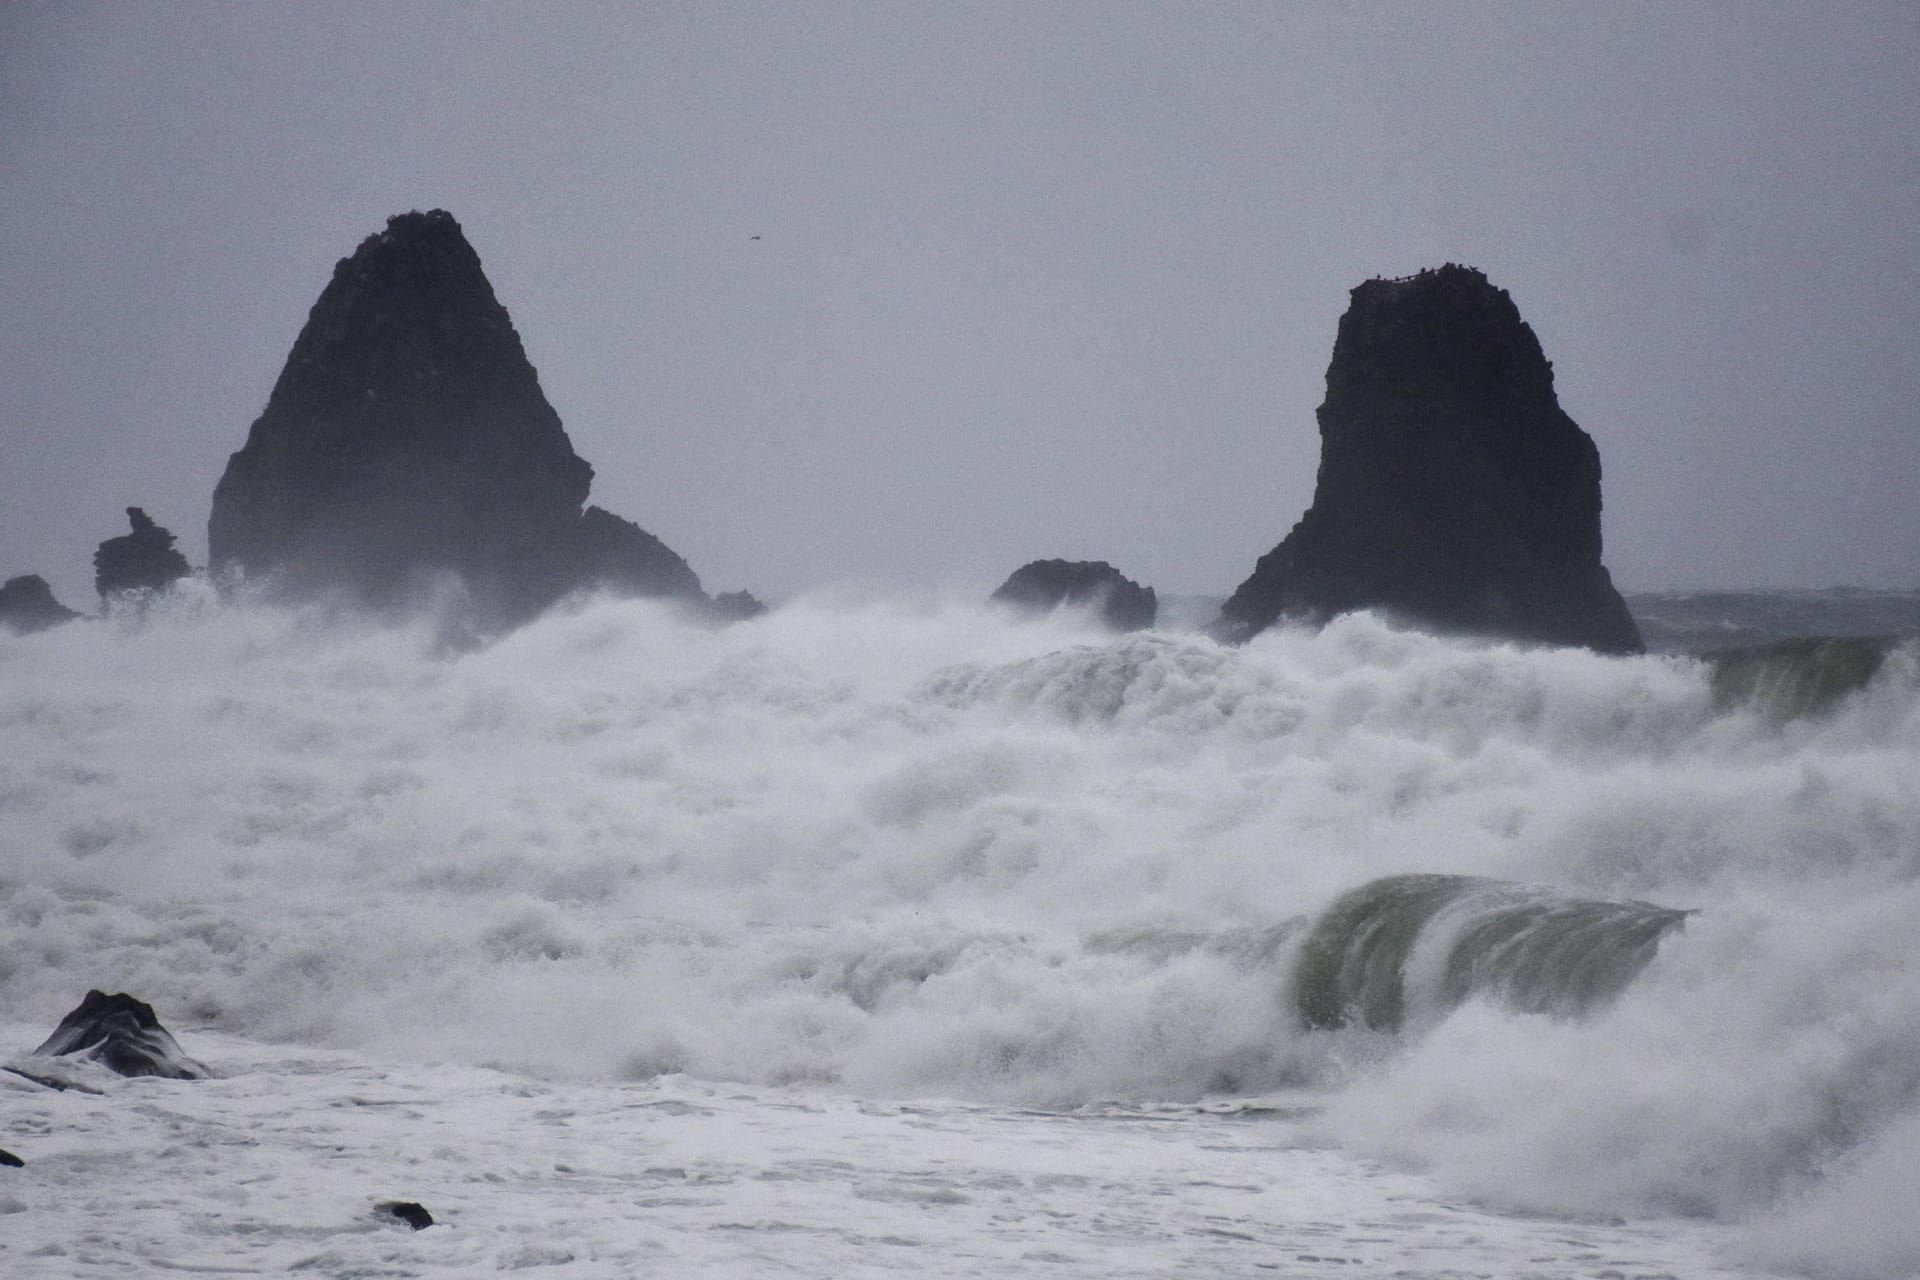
{"x": 1799, "y": 678}
{"x": 1408, "y": 948}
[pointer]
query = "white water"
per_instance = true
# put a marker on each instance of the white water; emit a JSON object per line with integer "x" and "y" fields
{"x": 886, "y": 851}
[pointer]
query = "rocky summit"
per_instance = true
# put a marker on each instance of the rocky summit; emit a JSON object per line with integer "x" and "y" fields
{"x": 27, "y": 605}
{"x": 123, "y": 1035}
{"x": 621, "y": 557}
{"x": 1453, "y": 492}
{"x": 408, "y": 440}
{"x": 143, "y": 560}
{"x": 1042, "y": 586}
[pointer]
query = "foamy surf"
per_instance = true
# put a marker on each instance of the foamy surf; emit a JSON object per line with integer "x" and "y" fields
{"x": 279, "y": 1168}
{"x": 863, "y": 854}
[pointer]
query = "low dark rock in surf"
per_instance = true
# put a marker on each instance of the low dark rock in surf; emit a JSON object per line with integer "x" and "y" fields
{"x": 27, "y": 605}
{"x": 1045, "y": 585}
{"x": 11, "y": 1161}
{"x": 414, "y": 1215}
{"x": 1524, "y": 947}
{"x": 1453, "y": 491}
{"x": 143, "y": 560}
{"x": 736, "y": 606}
{"x": 123, "y": 1035}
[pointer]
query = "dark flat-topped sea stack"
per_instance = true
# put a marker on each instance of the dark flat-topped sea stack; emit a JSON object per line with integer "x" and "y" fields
{"x": 408, "y": 439}
{"x": 27, "y": 605}
{"x": 1453, "y": 492}
{"x": 143, "y": 560}
{"x": 1045, "y": 585}
{"x": 123, "y": 1035}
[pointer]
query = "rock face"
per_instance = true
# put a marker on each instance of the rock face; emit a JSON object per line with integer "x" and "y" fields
{"x": 736, "y": 606}
{"x": 123, "y": 1035}
{"x": 408, "y": 438}
{"x": 410, "y": 1212}
{"x": 619, "y": 556}
{"x": 1044, "y": 585}
{"x": 27, "y": 605}
{"x": 143, "y": 560}
{"x": 1453, "y": 490}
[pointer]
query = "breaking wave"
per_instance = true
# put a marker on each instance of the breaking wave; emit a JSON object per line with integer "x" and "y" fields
{"x": 1410, "y": 948}
{"x": 912, "y": 847}
{"x": 1807, "y": 676}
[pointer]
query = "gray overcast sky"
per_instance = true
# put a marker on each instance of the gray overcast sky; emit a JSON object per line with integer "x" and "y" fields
{"x": 1034, "y": 279}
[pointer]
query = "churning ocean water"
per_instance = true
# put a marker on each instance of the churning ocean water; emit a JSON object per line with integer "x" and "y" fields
{"x": 878, "y": 936}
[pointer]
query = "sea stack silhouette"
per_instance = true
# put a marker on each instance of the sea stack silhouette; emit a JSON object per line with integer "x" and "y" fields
{"x": 27, "y": 605}
{"x": 407, "y": 439}
{"x": 1454, "y": 493}
{"x": 143, "y": 560}
{"x": 1042, "y": 586}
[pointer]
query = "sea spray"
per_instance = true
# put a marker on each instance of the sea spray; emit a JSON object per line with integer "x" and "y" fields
{"x": 908, "y": 848}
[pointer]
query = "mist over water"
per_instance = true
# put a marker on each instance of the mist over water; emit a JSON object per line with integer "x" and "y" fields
{"x": 913, "y": 848}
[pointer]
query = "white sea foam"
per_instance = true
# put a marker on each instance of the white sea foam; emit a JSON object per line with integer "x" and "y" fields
{"x": 906, "y": 849}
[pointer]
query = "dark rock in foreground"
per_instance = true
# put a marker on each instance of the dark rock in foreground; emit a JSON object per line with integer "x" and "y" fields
{"x": 11, "y": 1161}
{"x": 123, "y": 1035}
{"x": 1453, "y": 491}
{"x": 408, "y": 438}
{"x": 143, "y": 560}
{"x": 1044, "y": 585}
{"x": 407, "y": 1211}
{"x": 27, "y": 605}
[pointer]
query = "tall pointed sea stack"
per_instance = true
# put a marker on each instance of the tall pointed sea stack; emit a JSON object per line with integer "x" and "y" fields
{"x": 408, "y": 438}
{"x": 1453, "y": 490}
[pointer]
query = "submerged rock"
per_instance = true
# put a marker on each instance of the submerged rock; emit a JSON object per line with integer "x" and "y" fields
{"x": 1044, "y": 585}
{"x": 1453, "y": 490}
{"x": 27, "y": 605}
{"x": 736, "y": 606}
{"x": 123, "y": 1035}
{"x": 408, "y": 438}
{"x": 143, "y": 560}
{"x": 414, "y": 1215}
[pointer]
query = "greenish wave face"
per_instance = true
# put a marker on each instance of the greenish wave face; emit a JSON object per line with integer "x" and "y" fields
{"x": 1794, "y": 679}
{"x": 1408, "y": 948}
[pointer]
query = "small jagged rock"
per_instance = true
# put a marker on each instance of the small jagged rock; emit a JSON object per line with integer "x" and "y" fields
{"x": 408, "y": 1212}
{"x": 619, "y": 556}
{"x": 736, "y": 606}
{"x": 27, "y": 605}
{"x": 143, "y": 560}
{"x": 123, "y": 1035}
{"x": 1044, "y": 585}
{"x": 1453, "y": 490}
